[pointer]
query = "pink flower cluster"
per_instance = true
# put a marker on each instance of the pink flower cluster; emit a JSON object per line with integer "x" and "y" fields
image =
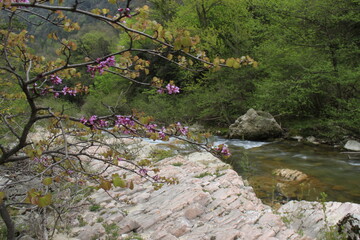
{"x": 55, "y": 79}
{"x": 223, "y": 149}
{"x": 109, "y": 62}
{"x": 70, "y": 91}
{"x": 162, "y": 133}
{"x": 143, "y": 172}
{"x": 170, "y": 89}
{"x": 126, "y": 123}
{"x": 151, "y": 127}
{"x": 181, "y": 129}
{"x": 125, "y": 11}
{"x": 94, "y": 122}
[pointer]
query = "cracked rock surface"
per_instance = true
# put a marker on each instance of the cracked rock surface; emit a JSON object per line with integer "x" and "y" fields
{"x": 210, "y": 202}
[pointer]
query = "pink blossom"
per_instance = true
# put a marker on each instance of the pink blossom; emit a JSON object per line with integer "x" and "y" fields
{"x": 92, "y": 119}
{"x": 223, "y": 149}
{"x": 65, "y": 90}
{"x": 126, "y": 12}
{"x": 161, "y": 90}
{"x": 143, "y": 172}
{"x": 124, "y": 121}
{"x": 151, "y": 127}
{"x": 156, "y": 178}
{"x": 108, "y": 62}
{"x": 183, "y": 130}
{"x": 103, "y": 123}
{"x": 55, "y": 79}
{"x": 162, "y": 135}
{"x": 83, "y": 120}
{"x": 172, "y": 89}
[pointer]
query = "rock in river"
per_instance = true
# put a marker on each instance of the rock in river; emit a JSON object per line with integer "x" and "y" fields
{"x": 255, "y": 125}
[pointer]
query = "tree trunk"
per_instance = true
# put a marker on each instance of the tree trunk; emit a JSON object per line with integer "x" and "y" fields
{"x": 8, "y": 222}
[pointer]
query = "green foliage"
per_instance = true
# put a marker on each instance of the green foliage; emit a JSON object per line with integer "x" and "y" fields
{"x": 95, "y": 208}
{"x": 111, "y": 230}
{"x": 61, "y": 105}
{"x": 308, "y": 54}
{"x": 82, "y": 222}
{"x": 160, "y": 154}
{"x": 178, "y": 164}
{"x": 134, "y": 236}
{"x": 202, "y": 175}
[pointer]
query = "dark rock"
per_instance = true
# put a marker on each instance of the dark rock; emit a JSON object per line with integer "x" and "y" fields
{"x": 255, "y": 125}
{"x": 350, "y": 225}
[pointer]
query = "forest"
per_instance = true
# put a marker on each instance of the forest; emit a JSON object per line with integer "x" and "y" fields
{"x": 307, "y": 54}
{"x": 72, "y": 71}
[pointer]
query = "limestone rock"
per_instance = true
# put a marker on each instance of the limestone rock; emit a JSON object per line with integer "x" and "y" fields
{"x": 255, "y": 125}
{"x": 216, "y": 206}
{"x": 290, "y": 175}
{"x": 309, "y": 217}
{"x": 352, "y": 145}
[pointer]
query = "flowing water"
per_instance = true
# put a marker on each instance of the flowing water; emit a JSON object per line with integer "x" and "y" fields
{"x": 330, "y": 171}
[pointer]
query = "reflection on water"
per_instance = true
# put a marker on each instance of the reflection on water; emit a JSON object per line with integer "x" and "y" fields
{"x": 335, "y": 174}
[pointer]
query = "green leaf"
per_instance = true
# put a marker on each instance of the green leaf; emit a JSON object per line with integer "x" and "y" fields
{"x": 2, "y": 197}
{"x": 45, "y": 200}
{"x": 106, "y": 185}
{"x": 118, "y": 181}
{"x": 47, "y": 181}
{"x": 230, "y": 62}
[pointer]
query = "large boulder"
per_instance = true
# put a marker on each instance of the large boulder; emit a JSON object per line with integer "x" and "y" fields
{"x": 255, "y": 125}
{"x": 352, "y": 145}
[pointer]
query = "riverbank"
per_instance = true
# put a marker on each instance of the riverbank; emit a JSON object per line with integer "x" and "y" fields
{"x": 210, "y": 202}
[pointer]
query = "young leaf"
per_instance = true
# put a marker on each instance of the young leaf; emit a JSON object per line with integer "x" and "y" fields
{"x": 118, "y": 181}
{"x": 47, "y": 181}
{"x": 45, "y": 200}
{"x": 106, "y": 185}
{"x": 2, "y": 197}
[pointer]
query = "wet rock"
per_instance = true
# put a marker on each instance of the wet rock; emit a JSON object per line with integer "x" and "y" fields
{"x": 352, "y": 145}
{"x": 255, "y": 125}
{"x": 297, "y": 138}
{"x": 350, "y": 225}
{"x": 312, "y": 140}
{"x": 290, "y": 175}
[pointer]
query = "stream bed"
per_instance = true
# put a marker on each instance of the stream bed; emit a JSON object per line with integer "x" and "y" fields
{"x": 329, "y": 170}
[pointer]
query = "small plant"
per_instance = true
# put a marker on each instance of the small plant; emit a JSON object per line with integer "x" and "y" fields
{"x": 100, "y": 219}
{"x": 134, "y": 236}
{"x": 94, "y": 208}
{"x": 204, "y": 174}
{"x": 160, "y": 154}
{"x": 82, "y": 222}
{"x": 111, "y": 230}
{"x": 219, "y": 174}
{"x": 177, "y": 164}
{"x": 333, "y": 234}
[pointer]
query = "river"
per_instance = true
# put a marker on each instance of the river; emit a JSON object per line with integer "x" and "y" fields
{"x": 330, "y": 170}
